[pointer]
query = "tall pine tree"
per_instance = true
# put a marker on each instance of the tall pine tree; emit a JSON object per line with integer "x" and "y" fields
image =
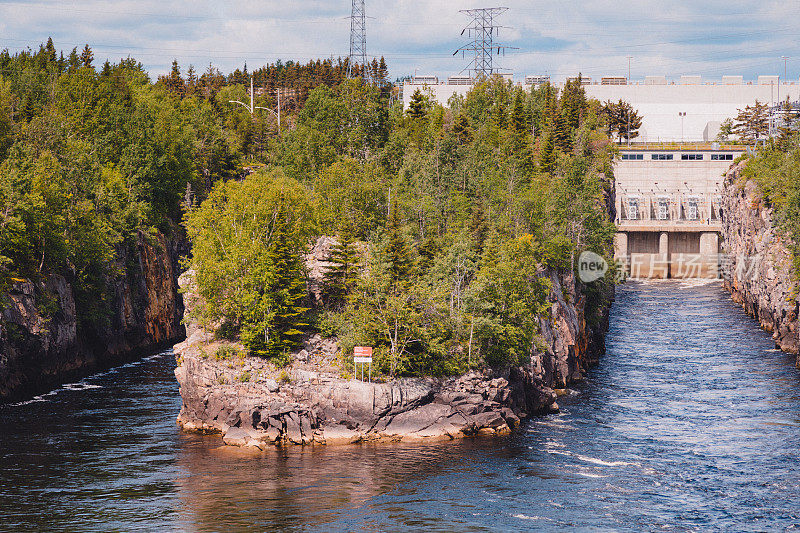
{"x": 277, "y": 314}
{"x": 418, "y": 106}
{"x": 87, "y": 56}
{"x": 341, "y": 275}
{"x": 547, "y": 157}
{"x": 73, "y": 61}
{"x": 398, "y": 252}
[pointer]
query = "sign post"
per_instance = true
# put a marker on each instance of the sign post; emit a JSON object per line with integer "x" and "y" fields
{"x": 363, "y": 355}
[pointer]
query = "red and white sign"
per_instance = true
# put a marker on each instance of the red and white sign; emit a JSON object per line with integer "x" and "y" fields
{"x": 362, "y": 354}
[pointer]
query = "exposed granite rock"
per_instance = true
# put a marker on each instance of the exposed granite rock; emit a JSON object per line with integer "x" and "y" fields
{"x": 323, "y": 408}
{"x": 317, "y": 264}
{"x": 245, "y": 402}
{"x": 759, "y": 272}
{"x": 43, "y": 342}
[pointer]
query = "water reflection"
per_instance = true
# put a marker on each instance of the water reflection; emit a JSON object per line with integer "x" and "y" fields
{"x": 286, "y": 488}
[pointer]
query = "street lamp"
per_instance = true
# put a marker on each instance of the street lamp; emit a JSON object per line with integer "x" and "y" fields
{"x": 252, "y": 107}
{"x": 682, "y": 114}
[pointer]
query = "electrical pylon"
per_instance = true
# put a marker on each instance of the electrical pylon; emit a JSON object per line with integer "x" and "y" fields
{"x": 482, "y": 31}
{"x": 358, "y": 40}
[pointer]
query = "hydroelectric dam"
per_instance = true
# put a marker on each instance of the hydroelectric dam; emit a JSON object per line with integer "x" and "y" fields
{"x": 669, "y": 176}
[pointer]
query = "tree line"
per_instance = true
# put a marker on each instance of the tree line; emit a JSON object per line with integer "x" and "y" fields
{"x": 775, "y": 167}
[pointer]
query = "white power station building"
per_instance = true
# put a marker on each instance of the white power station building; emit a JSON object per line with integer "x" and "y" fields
{"x": 684, "y": 110}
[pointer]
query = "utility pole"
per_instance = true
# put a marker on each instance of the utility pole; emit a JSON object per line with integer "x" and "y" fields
{"x": 482, "y": 30}
{"x": 785, "y": 59}
{"x": 629, "y": 68}
{"x": 358, "y": 40}
{"x": 629, "y": 113}
{"x": 682, "y": 114}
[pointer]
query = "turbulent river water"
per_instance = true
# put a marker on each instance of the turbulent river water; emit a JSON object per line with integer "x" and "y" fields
{"x": 690, "y": 422}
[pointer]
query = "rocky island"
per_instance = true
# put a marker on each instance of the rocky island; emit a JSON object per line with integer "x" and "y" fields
{"x": 451, "y": 254}
{"x": 251, "y": 402}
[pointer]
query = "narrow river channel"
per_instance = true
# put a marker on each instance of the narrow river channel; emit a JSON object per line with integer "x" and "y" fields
{"x": 691, "y": 422}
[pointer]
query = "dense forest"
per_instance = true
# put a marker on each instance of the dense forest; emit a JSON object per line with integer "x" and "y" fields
{"x": 445, "y": 218}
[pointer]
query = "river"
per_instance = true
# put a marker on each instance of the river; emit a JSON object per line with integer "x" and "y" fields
{"x": 690, "y": 422}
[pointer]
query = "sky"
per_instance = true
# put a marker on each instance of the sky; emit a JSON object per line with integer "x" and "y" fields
{"x": 706, "y": 37}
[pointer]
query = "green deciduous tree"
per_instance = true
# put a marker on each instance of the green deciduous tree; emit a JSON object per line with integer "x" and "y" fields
{"x": 248, "y": 239}
{"x": 507, "y": 299}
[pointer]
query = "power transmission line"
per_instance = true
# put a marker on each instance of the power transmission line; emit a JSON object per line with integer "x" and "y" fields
{"x": 482, "y": 30}
{"x": 358, "y": 39}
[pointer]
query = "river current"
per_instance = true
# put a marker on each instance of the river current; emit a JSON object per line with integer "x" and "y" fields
{"x": 690, "y": 422}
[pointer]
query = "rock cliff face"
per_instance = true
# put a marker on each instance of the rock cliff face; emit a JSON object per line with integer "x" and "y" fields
{"x": 44, "y": 341}
{"x": 758, "y": 267}
{"x": 247, "y": 402}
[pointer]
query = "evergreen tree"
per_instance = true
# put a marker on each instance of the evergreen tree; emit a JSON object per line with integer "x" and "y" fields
{"x": 74, "y": 61}
{"x": 51, "y": 50}
{"x": 573, "y": 102}
{"x": 547, "y": 157}
{"x": 752, "y": 122}
{"x": 383, "y": 71}
{"x": 418, "y": 106}
{"x": 106, "y": 72}
{"x": 621, "y": 120}
{"x": 288, "y": 288}
{"x": 174, "y": 82}
{"x": 87, "y": 56}
{"x": 478, "y": 226}
{"x": 500, "y": 115}
{"x": 191, "y": 81}
{"x": 789, "y": 125}
{"x": 518, "y": 118}
{"x": 427, "y": 250}
{"x": 397, "y": 251}
{"x": 342, "y": 272}
{"x": 462, "y": 129}
{"x": 561, "y": 132}
{"x": 273, "y": 322}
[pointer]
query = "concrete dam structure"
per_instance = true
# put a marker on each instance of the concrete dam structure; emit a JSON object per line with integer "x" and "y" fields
{"x": 669, "y": 212}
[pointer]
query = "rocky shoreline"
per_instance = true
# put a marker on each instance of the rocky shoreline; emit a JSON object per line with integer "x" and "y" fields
{"x": 759, "y": 272}
{"x": 44, "y": 343}
{"x": 254, "y": 404}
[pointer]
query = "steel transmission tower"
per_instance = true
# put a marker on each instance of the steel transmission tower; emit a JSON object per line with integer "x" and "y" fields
{"x": 358, "y": 39}
{"x": 482, "y": 31}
